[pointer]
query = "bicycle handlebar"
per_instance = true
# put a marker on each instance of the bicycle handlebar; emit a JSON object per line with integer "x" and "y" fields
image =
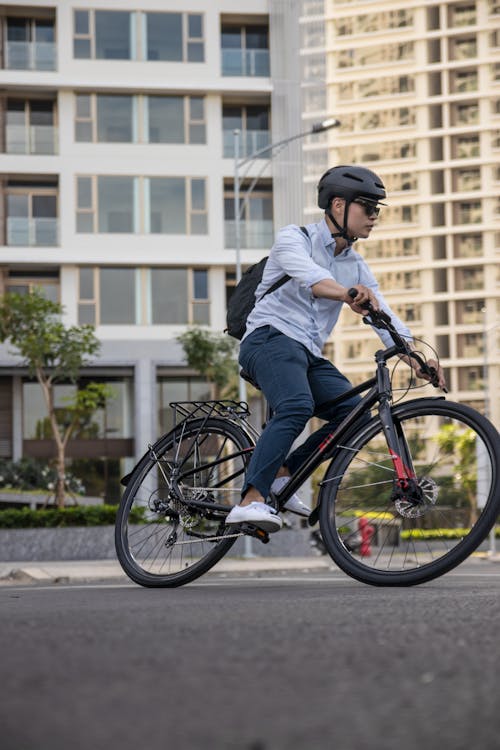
{"x": 380, "y": 319}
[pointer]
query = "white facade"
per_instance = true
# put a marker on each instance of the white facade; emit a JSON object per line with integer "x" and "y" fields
{"x": 87, "y": 179}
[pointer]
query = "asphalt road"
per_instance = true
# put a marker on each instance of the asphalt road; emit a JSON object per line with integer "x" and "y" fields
{"x": 271, "y": 663}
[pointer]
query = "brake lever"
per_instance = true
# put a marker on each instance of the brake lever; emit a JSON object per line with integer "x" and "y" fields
{"x": 376, "y": 315}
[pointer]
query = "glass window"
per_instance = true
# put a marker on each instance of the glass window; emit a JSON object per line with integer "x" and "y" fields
{"x": 115, "y": 119}
{"x": 164, "y": 36}
{"x": 87, "y": 283}
{"x": 169, "y": 295}
{"x": 117, "y": 296}
{"x": 166, "y": 119}
{"x": 200, "y": 283}
{"x": 178, "y": 389}
{"x": 167, "y": 205}
{"x": 195, "y": 46}
{"x": 116, "y": 204}
{"x": 81, "y": 22}
{"x": 112, "y": 35}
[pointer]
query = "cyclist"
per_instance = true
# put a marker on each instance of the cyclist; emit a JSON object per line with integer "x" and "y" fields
{"x": 286, "y": 332}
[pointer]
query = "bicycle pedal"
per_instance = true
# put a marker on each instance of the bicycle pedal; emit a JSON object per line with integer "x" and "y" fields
{"x": 250, "y": 530}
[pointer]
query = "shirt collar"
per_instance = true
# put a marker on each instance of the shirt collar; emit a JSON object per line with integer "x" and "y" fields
{"x": 327, "y": 238}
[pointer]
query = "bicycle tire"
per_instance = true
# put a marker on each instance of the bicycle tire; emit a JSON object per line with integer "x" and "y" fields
{"x": 446, "y": 438}
{"x": 161, "y": 542}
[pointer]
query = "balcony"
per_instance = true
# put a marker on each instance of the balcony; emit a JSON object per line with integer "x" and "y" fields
{"x": 26, "y": 232}
{"x": 250, "y": 142}
{"x": 30, "y": 55}
{"x": 35, "y": 139}
{"x": 245, "y": 62}
{"x": 258, "y": 234}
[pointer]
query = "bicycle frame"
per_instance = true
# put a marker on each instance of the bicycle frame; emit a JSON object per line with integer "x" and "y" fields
{"x": 379, "y": 391}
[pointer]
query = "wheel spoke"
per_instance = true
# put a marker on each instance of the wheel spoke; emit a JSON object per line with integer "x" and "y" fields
{"x": 427, "y": 525}
{"x": 165, "y": 534}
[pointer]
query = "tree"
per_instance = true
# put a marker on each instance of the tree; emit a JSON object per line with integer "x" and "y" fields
{"x": 214, "y": 357}
{"x": 460, "y": 446}
{"x": 53, "y": 354}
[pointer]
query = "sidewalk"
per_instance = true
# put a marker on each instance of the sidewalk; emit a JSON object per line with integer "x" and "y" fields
{"x": 74, "y": 571}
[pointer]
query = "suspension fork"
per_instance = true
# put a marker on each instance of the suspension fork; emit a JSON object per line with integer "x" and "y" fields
{"x": 397, "y": 444}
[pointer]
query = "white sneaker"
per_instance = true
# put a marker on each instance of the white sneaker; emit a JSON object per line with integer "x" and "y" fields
{"x": 258, "y": 514}
{"x": 294, "y": 504}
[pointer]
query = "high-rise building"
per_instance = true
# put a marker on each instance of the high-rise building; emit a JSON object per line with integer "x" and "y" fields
{"x": 416, "y": 87}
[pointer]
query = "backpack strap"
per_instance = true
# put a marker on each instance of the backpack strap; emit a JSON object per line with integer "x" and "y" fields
{"x": 283, "y": 279}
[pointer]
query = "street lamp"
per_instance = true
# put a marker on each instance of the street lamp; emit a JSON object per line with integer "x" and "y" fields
{"x": 271, "y": 149}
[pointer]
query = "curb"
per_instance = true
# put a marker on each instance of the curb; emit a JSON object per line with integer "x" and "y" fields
{"x": 105, "y": 570}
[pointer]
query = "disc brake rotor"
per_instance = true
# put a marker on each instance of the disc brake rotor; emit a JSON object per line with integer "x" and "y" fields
{"x": 408, "y": 508}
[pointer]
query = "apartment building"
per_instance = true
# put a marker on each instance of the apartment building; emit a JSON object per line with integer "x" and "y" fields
{"x": 417, "y": 88}
{"x": 117, "y": 175}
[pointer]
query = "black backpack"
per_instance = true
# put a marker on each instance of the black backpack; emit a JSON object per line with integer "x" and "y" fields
{"x": 243, "y": 300}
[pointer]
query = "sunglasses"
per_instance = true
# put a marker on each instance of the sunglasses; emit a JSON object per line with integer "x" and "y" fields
{"x": 371, "y": 209}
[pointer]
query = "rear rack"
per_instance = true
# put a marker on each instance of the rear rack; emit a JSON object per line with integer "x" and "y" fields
{"x": 194, "y": 409}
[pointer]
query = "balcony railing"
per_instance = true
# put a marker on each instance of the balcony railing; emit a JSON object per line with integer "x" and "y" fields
{"x": 250, "y": 142}
{"x": 241, "y": 62}
{"x": 253, "y": 234}
{"x": 30, "y": 55}
{"x": 36, "y": 139}
{"x": 28, "y": 232}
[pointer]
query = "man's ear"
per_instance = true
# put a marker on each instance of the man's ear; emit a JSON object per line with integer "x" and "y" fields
{"x": 337, "y": 204}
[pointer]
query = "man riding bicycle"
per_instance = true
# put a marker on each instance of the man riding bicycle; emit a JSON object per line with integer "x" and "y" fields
{"x": 287, "y": 329}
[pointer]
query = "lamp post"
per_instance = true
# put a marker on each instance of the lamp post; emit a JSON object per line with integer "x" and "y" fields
{"x": 271, "y": 150}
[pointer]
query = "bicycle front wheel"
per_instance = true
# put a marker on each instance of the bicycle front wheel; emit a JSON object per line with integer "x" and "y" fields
{"x": 170, "y": 524}
{"x": 380, "y": 536}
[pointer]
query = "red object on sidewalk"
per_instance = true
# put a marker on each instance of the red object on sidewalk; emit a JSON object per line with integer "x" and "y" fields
{"x": 367, "y": 531}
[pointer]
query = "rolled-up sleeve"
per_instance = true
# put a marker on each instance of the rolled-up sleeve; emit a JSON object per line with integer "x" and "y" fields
{"x": 291, "y": 253}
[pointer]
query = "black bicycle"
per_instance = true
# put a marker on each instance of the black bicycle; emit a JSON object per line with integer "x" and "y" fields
{"x": 418, "y": 481}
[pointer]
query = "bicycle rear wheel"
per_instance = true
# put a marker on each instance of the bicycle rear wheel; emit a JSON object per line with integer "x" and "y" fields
{"x": 386, "y": 540}
{"x": 170, "y": 524}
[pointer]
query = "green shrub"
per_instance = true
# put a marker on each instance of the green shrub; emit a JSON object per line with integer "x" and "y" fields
{"x": 34, "y": 474}
{"x": 79, "y": 515}
{"x": 430, "y": 534}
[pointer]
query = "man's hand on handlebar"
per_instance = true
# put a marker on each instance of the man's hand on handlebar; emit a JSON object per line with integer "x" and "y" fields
{"x": 434, "y": 374}
{"x": 359, "y": 303}
{"x": 429, "y": 370}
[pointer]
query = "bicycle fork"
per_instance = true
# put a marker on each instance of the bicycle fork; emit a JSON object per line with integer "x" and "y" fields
{"x": 405, "y": 482}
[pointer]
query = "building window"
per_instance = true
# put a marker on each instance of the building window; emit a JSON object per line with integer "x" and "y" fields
{"x": 256, "y": 216}
{"x": 31, "y": 214}
{"x": 253, "y": 121}
{"x": 172, "y": 296}
{"x": 245, "y": 50}
{"x": 174, "y": 205}
{"x": 25, "y": 282}
{"x": 29, "y": 126}
{"x": 468, "y": 212}
{"x": 112, "y": 35}
{"x": 465, "y": 146}
{"x": 30, "y": 44}
{"x": 175, "y": 119}
{"x": 103, "y": 35}
{"x": 178, "y": 388}
{"x": 177, "y": 205}
{"x": 176, "y": 37}
{"x": 169, "y": 302}
{"x": 467, "y": 179}
{"x": 139, "y": 119}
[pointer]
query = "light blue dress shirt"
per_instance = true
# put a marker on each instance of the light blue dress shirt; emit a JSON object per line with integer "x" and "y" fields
{"x": 292, "y": 308}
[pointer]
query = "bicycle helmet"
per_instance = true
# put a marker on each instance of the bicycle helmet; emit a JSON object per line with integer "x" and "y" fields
{"x": 348, "y": 182}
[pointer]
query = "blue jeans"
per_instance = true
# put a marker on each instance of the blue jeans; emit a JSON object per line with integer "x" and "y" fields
{"x": 295, "y": 383}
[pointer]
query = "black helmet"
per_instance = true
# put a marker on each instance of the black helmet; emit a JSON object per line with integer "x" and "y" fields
{"x": 349, "y": 182}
